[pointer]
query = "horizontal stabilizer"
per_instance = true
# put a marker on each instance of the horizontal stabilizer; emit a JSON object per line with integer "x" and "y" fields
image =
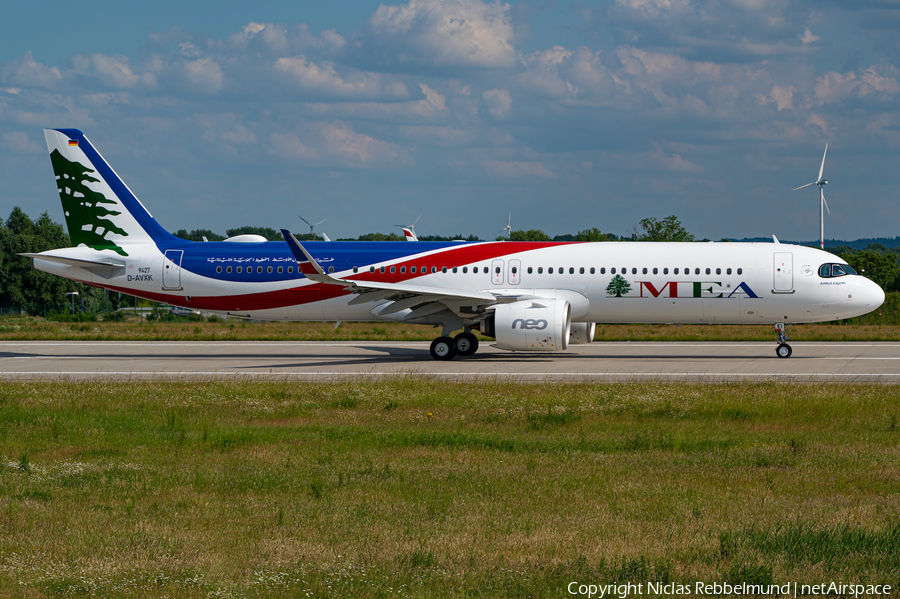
{"x": 106, "y": 268}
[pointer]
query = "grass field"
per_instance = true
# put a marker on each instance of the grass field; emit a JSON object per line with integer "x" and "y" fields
{"x": 14, "y": 329}
{"x": 418, "y": 488}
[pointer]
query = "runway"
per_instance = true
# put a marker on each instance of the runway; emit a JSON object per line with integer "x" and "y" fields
{"x": 683, "y": 361}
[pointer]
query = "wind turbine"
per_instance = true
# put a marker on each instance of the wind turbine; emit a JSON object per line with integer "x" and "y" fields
{"x": 410, "y": 230}
{"x": 507, "y": 228}
{"x": 823, "y": 205}
{"x": 311, "y": 227}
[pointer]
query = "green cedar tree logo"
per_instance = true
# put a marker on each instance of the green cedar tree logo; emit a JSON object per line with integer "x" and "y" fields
{"x": 618, "y": 286}
{"x": 83, "y": 206}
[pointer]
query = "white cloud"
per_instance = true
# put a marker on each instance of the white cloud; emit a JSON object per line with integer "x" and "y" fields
{"x": 783, "y": 96}
{"x": 289, "y": 145}
{"x": 204, "y": 75}
{"x": 447, "y": 32}
{"x": 498, "y": 102}
{"x": 324, "y": 79}
{"x": 336, "y": 144}
{"x": 834, "y": 87}
{"x": 29, "y": 72}
{"x": 18, "y": 141}
{"x": 808, "y": 37}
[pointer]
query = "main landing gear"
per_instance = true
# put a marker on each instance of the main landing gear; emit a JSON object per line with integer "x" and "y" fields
{"x": 783, "y": 350}
{"x": 446, "y": 348}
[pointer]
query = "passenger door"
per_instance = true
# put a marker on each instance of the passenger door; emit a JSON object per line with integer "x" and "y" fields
{"x": 783, "y": 271}
{"x": 172, "y": 269}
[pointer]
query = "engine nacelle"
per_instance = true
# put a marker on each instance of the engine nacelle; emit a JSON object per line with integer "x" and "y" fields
{"x": 532, "y": 325}
{"x": 582, "y": 332}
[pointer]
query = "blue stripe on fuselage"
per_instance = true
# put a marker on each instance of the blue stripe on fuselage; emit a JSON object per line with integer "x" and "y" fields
{"x": 202, "y": 258}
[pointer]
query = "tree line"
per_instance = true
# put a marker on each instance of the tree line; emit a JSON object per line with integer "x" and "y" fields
{"x": 22, "y": 284}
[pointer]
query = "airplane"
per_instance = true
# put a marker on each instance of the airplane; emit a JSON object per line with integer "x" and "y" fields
{"x": 528, "y": 296}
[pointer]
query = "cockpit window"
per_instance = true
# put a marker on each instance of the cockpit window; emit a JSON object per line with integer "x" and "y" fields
{"x": 835, "y": 270}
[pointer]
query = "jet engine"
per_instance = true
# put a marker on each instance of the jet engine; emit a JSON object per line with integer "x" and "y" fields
{"x": 532, "y": 325}
{"x": 582, "y": 332}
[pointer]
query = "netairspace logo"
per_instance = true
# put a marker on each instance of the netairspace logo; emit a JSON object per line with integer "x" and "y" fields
{"x": 624, "y": 590}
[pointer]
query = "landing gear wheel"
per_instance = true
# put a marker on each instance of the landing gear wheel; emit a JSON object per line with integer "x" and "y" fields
{"x": 466, "y": 344}
{"x": 443, "y": 348}
{"x": 783, "y": 351}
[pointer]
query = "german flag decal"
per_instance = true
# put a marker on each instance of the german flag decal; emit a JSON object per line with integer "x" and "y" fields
{"x": 73, "y": 142}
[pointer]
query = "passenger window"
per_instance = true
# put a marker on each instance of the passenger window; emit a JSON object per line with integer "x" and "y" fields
{"x": 444, "y": 269}
{"x": 465, "y": 269}
{"x": 412, "y": 269}
{"x": 382, "y": 270}
{"x": 355, "y": 269}
{"x": 666, "y": 271}
{"x": 371, "y": 269}
{"x": 708, "y": 271}
{"x": 239, "y": 269}
{"x": 655, "y": 271}
{"x": 727, "y": 271}
{"x": 571, "y": 270}
{"x": 740, "y": 271}
{"x": 696, "y": 271}
{"x": 603, "y": 270}
{"x": 550, "y": 270}
{"x": 228, "y": 269}
{"x": 718, "y": 271}
{"x": 675, "y": 271}
{"x": 330, "y": 270}
{"x": 633, "y": 270}
{"x": 424, "y": 269}
{"x": 393, "y": 269}
{"x": 474, "y": 270}
{"x": 592, "y": 270}
{"x": 269, "y": 269}
{"x": 290, "y": 269}
{"x": 402, "y": 270}
{"x": 581, "y": 270}
{"x": 561, "y": 270}
{"x": 514, "y": 270}
{"x": 434, "y": 269}
{"x": 612, "y": 270}
{"x": 644, "y": 271}
{"x": 280, "y": 269}
{"x": 454, "y": 270}
{"x": 540, "y": 270}
{"x": 218, "y": 269}
{"x": 259, "y": 269}
{"x": 529, "y": 270}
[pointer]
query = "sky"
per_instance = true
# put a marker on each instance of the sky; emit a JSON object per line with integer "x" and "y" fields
{"x": 567, "y": 114}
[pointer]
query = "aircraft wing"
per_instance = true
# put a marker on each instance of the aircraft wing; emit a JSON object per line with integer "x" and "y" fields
{"x": 422, "y": 299}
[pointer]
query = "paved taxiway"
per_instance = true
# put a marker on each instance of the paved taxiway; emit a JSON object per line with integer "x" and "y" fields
{"x": 813, "y": 361}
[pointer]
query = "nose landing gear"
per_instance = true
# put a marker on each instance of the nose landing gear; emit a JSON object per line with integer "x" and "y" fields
{"x": 783, "y": 350}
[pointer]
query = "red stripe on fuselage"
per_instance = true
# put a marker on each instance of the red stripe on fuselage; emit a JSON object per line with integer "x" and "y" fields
{"x": 306, "y": 294}
{"x": 452, "y": 257}
{"x": 266, "y": 300}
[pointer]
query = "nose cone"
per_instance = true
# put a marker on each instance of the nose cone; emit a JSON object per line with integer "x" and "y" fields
{"x": 874, "y": 295}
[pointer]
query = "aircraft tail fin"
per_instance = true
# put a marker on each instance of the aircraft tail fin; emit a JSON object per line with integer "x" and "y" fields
{"x": 101, "y": 212}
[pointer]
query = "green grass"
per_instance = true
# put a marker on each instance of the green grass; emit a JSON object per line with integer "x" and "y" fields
{"x": 419, "y": 488}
